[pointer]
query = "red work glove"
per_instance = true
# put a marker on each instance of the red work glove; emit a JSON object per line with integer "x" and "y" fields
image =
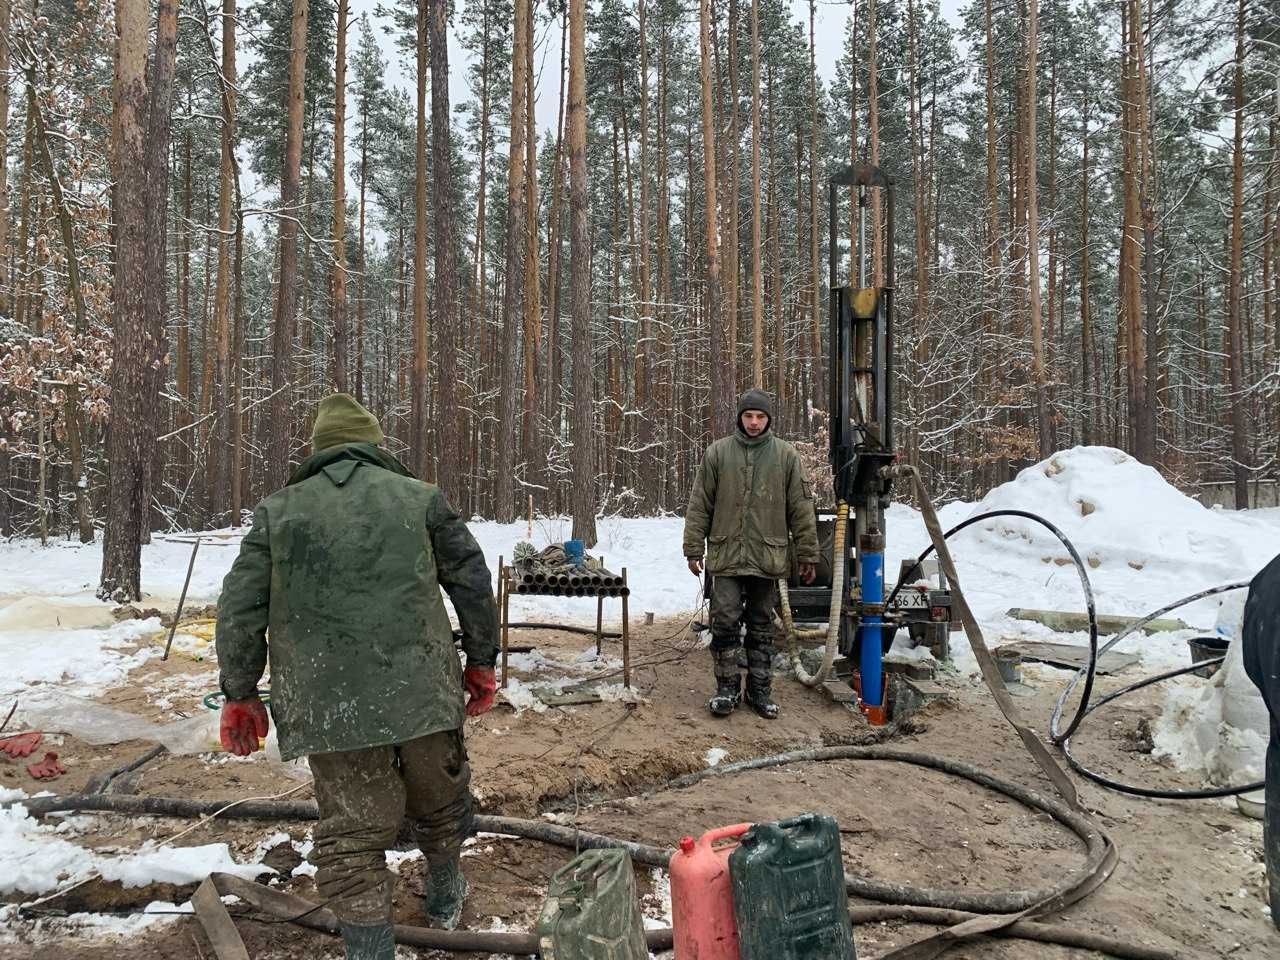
{"x": 47, "y": 769}
{"x": 481, "y": 687}
{"x": 20, "y": 744}
{"x": 243, "y": 722}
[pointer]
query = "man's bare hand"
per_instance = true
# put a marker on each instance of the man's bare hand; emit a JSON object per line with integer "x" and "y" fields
{"x": 695, "y": 566}
{"x": 807, "y": 572}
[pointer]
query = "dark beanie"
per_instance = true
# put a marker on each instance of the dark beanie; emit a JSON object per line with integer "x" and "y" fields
{"x": 756, "y": 400}
{"x": 341, "y": 419}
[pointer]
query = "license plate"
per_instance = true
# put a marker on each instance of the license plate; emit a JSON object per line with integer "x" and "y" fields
{"x": 911, "y": 599}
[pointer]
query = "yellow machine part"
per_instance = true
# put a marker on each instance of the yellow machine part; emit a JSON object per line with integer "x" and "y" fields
{"x": 864, "y": 303}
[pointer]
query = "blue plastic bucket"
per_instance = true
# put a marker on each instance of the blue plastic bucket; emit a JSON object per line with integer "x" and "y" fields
{"x": 573, "y": 551}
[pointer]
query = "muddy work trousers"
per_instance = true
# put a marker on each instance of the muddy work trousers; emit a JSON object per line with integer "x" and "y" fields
{"x": 738, "y": 600}
{"x": 364, "y": 795}
{"x": 1261, "y": 639}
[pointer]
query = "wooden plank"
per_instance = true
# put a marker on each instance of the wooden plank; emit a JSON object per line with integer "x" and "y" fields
{"x": 1067, "y": 655}
{"x": 1072, "y": 620}
{"x": 218, "y": 925}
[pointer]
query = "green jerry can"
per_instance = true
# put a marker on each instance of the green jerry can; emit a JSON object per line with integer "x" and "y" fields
{"x": 788, "y": 891}
{"x": 591, "y": 911}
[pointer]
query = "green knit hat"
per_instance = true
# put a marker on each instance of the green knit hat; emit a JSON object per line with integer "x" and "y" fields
{"x": 341, "y": 419}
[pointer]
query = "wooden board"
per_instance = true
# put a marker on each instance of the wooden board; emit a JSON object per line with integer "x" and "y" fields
{"x": 1067, "y": 655}
{"x": 217, "y": 923}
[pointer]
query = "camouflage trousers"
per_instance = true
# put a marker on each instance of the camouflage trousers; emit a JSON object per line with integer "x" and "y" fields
{"x": 738, "y": 600}
{"x": 364, "y": 795}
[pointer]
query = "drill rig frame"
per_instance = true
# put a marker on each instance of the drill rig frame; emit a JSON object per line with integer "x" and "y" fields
{"x": 860, "y": 366}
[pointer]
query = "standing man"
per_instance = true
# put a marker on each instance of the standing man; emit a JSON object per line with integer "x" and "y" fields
{"x": 748, "y": 494}
{"x": 345, "y": 566}
{"x": 1261, "y": 638}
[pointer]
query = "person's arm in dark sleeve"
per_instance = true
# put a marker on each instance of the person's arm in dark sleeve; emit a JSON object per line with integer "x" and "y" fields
{"x": 801, "y": 519}
{"x": 243, "y": 611}
{"x": 464, "y": 575}
{"x": 697, "y": 516}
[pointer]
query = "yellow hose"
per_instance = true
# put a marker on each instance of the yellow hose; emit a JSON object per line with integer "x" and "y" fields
{"x": 832, "y": 630}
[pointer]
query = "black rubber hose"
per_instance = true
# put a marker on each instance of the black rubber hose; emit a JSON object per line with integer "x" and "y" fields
{"x": 298, "y": 910}
{"x": 1095, "y": 841}
{"x": 1091, "y": 668}
{"x": 1134, "y": 627}
{"x": 1137, "y": 791}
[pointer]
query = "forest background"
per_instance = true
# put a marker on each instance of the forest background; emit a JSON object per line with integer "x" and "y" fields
{"x": 549, "y": 269}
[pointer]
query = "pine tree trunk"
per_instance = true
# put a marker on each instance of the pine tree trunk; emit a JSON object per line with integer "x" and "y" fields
{"x": 1235, "y": 301}
{"x": 582, "y": 428}
{"x": 551, "y": 391}
{"x": 341, "y": 330}
{"x": 815, "y": 280}
{"x": 1044, "y": 427}
{"x": 286, "y": 306}
{"x": 722, "y": 386}
{"x": 649, "y": 478}
{"x": 449, "y": 471}
{"x": 922, "y": 225}
{"x": 362, "y": 253}
{"x": 775, "y": 262}
{"x": 218, "y": 465}
{"x": 1148, "y": 418}
{"x": 729, "y": 245}
{"x": 141, "y": 105}
{"x": 5, "y": 18}
{"x": 513, "y": 297}
{"x": 534, "y": 463}
{"x": 757, "y": 282}
{"x": 238, "y": 485}
{"x": 1091, "y": 425}
{"x": 419, "y": 456}
{"x": 873, "y": 120}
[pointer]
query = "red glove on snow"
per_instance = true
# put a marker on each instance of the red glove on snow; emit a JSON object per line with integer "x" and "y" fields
{"x": 47, "y": 769}
{"x": 20, "y": 744}
{"x": 243, "y": 722}
{"x": 481, "y": 687}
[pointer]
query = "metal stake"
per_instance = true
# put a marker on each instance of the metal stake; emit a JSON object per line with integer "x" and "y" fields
{"x": 182, "y": 598}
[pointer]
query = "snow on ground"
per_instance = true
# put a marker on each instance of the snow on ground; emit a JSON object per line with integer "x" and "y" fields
{"x": 38, "y": 858}
{"x": 1146, "y": 544}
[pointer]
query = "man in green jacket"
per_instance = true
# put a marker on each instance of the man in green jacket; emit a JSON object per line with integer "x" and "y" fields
{"x": 749, "y": 493}
{"x": 344, "y": 567}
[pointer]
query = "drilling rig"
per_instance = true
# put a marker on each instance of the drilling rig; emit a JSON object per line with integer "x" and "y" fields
{"x": 848, "y": 596}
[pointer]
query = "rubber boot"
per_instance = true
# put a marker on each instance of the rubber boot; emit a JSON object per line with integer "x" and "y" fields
{"x": 728, "y": 682}
{"x": 446, "y": 889}
{"x": 369, "y": 941}
{"x": 760, "y": 683}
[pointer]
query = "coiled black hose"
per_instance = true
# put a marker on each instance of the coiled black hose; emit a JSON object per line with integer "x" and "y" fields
{"x": 1085, "y": 585}
{"x": 1062, "y": 738}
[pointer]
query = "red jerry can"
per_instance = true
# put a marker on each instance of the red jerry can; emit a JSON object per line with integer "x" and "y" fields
{"x": 702, "y": 896}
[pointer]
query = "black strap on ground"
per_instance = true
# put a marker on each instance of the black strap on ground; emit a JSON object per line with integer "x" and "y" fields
{"x": 986, "y": 663}
{"x": 933, "y": 945}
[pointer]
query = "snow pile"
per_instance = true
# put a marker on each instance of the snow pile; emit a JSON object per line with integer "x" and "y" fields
{"x": 1142, "y": 539}
{"x": 38, "y": 859}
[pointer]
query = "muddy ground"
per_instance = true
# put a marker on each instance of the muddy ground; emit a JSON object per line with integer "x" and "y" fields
{"x": 1190, "y": 876}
